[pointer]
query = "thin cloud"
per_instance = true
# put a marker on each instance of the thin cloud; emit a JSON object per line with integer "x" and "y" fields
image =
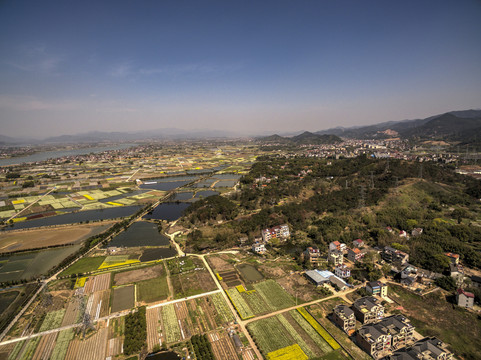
{"x": 37, "y": 59}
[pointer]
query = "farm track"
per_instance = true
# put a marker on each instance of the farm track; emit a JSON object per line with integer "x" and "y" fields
{"x": 45, "y": 347}
{"x": 222, "y": 346}
{"x": 71, "y": 312}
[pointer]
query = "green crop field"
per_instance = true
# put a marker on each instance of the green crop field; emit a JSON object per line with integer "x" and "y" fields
{"x": 61, "y": 346}
{"x": 153, "y": 290}
{"x": 123, "y": 298}
{"x": 170, "y": 324}
{"x": 224, "y": 315}
{"x": 84, "y": 265}
{"x": 270, "y": 335}
{"x": 52, "y": 320}
{"x": 274, "y": 295}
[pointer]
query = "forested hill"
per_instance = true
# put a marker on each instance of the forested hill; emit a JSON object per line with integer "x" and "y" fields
{"x": 346, "y": 200}
{"x": 306, "y": 138}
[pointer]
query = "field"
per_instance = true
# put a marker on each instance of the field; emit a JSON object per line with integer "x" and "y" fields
{"x": 84, "y": 265}
{"x": 222, "y": 345}
{"x": 265, "y": 297}
{"x": 33, "y": 239}
{"x": 432, "y": 315}
{"x": 52, "y": 320}
{"x": 275, "y": 334}
{"x": 123, "y": 298}
{"x": 97, "y": 283}
{"x": 153, "y": 328}
{"x": 153, "y": 290}
{"x": 170, "y": 324}
{"x": 192, "y": 283}
{"x": 224, "y": 315}
{"x": 92, "y": 347}
{"x": 230, "y": 278}
{"x": 6, "y": 298}
{"x": 132, "y": 276}
{"x": 33, "y": 264}
{"x": 117, "y": 260}
{"x": 61, "y": 346}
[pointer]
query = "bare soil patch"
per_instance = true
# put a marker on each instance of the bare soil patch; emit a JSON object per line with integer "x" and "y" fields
{"x": 219, "y": 263}
{"x": 31, "y": 239}
{"x": 129, "y": 277}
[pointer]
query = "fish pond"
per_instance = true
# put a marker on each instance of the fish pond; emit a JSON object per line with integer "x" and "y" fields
{"x": 169, "y": 211}
{"x": 141, "y": 233}
{"x": 250, "y": 273}
{"x": 157, "y": 254}
{"x": 76, "y": 217}
{"x": 33, "y": 264}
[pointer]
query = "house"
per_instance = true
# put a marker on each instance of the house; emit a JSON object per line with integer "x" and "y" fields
{"x": 313, "y": 255}
{"x": 276, "y": 232}
{"x": 335, "y": 257}
{"x": 389, "y": 334}
{"x": 368, "y": 309}
{"x": 408, "y": 281}
{"x": 358, "y": 243}
{"x": 243, "y": 240}
{"x": 376, "y": 288}
{"x": 464, "y": 298}
{"x": 337, "y": 246}
{"x": 456, "y": 272}
{"x": 355, "y": 255}
{"x": 453, "y": 257}
{"x": 342, "y": 271}
{"x": 476, "y": 281}
{"x": 403, "y": 233}
{"x": 408, "y": 270}
{"x": 426, "y": 349}
{"x": 338, "y": 283}
{"x": 259, "y": 247}
{"x": 392, "y": 255}
{"x": 316, "y": 277}
{"x": 344, "y": 317}
{"x": 417, "y": 231}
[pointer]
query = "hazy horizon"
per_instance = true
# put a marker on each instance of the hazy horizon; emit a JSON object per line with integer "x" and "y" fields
{"x": 249, "y": 67}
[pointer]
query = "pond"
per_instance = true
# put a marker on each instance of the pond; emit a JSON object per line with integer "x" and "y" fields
{"x": 141, "y": 233}
{"x": 249, "y": 272}
{"x": 156, "y": 254}
{"x": 76, "y": 217}
{"x": 33, "y": 264}
{"x": 167, "y": 183}
{"x": 227, "y": 176}
{"x": 225, "y": 183}
{"x": 205, "y": 193}
{"x": 169, "y": 211}
{"x": 163, "y": 356}
{"x": 183, "y": 196}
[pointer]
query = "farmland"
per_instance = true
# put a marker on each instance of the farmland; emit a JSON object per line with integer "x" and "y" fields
{"x": 84, "y": 265}
{"x": 132, "y": 276}
{"x": 123, "y": 298}
{"x": 170, "y": 324}
{"x": 153, "y": 290}
{"x": 266, "y": 296}
{"x": 34, "y": 239}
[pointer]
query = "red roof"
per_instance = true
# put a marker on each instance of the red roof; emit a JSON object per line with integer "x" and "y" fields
{"x": 452, "y": 255}
{"x": 358, "y": 241}
{"x": 467, "y": 294}
{"x": 336, "y": 243}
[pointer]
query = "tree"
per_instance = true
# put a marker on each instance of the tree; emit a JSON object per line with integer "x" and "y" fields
{"x": 446, "y": 282}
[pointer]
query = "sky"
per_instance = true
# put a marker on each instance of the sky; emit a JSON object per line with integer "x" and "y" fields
{"x": 69, "y": 67}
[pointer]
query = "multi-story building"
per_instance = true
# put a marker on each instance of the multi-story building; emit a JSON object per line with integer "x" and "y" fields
{"x": 368, "y": 309}
{"x": 342, "y": 271}
{"x": 345, "y": 318}
{"x": 376, "y": 288}
{"x": 354, "y": 255}
{"x": 337, "y": 246}
{"x": 425, "y": 349}
{"x": 335, "y": 257}
{"x": 259, "y": 248}
{"x": 358, "y": 243}
{"x": 276, "y": 232}
{"x": 313, "y": 255}
{"x": 392, "y": 255}
{"x": 389, "y": 334}
{"x": 464, "y": 298}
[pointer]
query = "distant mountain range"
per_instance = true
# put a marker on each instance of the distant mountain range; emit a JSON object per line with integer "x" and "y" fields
{"x": 306, "y": 138}
{"x": 463, "y": 127}
{"x": 452, "y": 126}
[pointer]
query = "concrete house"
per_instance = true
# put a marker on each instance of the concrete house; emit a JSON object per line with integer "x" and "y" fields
{"x": 368, "y": 309}
{"x": 425, "y": 349}
{"x": 454, "y": 258}
{"x": 276, "y": 232}
{"x": 259, "y": 248}
{"x": 313, "y": 256}
{"x": 358, "y": 243}
{"x": 464, "y": 298}
{"x": 335, "y": 257}
{"x": 344, "y": 317}
{"x": 395, "y": 256}
{"x": 342, "y": 271}
{"x": 354, "y": 254}
{"x": 389, "y": 334}
{"x": 316, "y": 278}
{"x": 376, "y": 288}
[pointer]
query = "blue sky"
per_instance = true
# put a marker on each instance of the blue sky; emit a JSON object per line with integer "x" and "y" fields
{"x": 246, "y": 66}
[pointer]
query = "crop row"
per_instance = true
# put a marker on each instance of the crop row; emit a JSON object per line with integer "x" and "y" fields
{"x": 61, "y": 346}
{"x": 171, "y": 325}
{"x": 274, "y": 295}
{"x": 270, "y": 335}
{"x": 313, "y": 334}
{"x": 52, "y": 320}
{"x": 240, "y": 304}
{"x": 293, "y": 352}
{"x": 298, "y": 338}
{"x": 222, "y": 309}
{"x": 313, "y": 322}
